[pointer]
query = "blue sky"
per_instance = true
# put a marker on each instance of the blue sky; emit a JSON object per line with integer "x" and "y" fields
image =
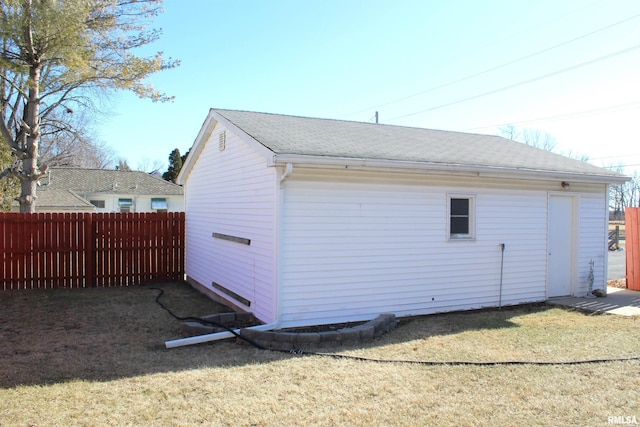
{"x": 569, "y": 68}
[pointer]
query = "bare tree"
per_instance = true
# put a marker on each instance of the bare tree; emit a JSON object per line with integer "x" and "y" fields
{"x": 151, "y": 167}
{"x": 534, "y": 137}
{"x": 577, "y": 156}
{"x": 68, "y": 141}
{"x": 625, "y": 195}
{"x": 56, "y": 55}
{"x": 539, "y": 139}
{"x": 633, "y": 191}
{"x": 510, "y": 132}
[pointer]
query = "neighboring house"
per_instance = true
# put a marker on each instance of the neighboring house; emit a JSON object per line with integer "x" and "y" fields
{"x": 106, "y": 190}
{"x": 311, "y": 221}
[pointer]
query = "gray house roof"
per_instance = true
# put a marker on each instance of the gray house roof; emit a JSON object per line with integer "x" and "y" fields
{"x": 108, "y": 181}
{"x": 61, "y": 199}
{"x": 62, "y": 188}
{"x": 292, "y": 138}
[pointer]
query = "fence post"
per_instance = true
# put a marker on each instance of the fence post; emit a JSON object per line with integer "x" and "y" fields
{"x": 89, "y": 251}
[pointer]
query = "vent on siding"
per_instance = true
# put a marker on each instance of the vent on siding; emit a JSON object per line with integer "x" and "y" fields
{"x": 231, "y": 294}
{"x": 222, "y": 141}
{"x": 241, "y": 240}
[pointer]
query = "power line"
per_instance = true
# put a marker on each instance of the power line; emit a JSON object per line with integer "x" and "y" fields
{"x": 611, "y": 108}
{"x": 545, "y": 76}
{"x": 614, "y": 157}
{"x": 622, "y": 166}
{"x": 496, "y": 67}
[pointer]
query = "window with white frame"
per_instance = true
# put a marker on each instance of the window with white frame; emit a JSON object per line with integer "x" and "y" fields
{"x": 125, "y": 205}
{"x": 159, "y": 204}
{"x": 98, "y": 203}
{"x": 461, "y": 213}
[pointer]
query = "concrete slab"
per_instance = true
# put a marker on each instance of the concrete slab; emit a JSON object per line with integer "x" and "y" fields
{"x": 623, "y": 302}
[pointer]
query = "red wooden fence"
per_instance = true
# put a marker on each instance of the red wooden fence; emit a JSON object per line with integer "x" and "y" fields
{"x": 632, "y": 247}
{"x": 76, "y": 250}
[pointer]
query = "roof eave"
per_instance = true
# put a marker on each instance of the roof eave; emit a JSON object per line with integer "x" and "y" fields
{"x": 443, "y": 168}
{"x": 205, "y": 133}
{"x": 213, "y": 119}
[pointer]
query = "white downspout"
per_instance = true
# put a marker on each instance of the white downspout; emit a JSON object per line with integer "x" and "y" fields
{"x": 606, "y": 240}
{"x": 199, "y": 339}
{"x": 501, "y": 274}
{"x": 287, "y": 172}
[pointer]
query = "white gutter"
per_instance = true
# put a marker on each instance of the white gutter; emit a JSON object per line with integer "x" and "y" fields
{"x": 199, "y": 339}
{"x": 427, "y": 167}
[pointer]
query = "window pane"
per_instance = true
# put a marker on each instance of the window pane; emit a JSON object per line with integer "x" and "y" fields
{"x": 459, "y": 206}
{"x": 159, "y": 204}
{"x": 125, "y": 202}
{"x": 459, "y": 225}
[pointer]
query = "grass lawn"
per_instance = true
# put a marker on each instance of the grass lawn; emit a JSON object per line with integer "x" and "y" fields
{"x": 97, "y": 357}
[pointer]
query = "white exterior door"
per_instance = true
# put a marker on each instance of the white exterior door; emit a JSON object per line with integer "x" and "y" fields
{"x": 561, "y": 246}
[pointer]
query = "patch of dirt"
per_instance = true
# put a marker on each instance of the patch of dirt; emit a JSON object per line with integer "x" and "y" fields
{"x": 618, "y": 283}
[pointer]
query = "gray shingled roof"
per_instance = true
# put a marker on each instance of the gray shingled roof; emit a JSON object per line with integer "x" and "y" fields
{"x": 63, "y": 187}
{"x": 293, "y": 135}
{"x": 107, "y": 181}
{"x": 60, "y": 199}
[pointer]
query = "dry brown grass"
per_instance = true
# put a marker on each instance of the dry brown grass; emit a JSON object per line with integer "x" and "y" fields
{"x": 96, "y": 357}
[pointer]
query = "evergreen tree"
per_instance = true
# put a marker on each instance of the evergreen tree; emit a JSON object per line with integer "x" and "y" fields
{"x": 175, "y": 164}
{"x": 184, "y": 157}
{"x": 9, "y": 188}
{"x": 123, "y": 165}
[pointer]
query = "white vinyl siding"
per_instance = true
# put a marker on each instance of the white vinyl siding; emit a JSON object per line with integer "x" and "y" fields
{"x": 357, "y": 245}
{"x": 330, "y": 245}
{"x": 233, "y": 193}
{"x": 593, "y": 228}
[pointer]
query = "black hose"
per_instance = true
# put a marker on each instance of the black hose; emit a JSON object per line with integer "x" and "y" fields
{"x": 205, "y": 321}
{"x": 465, "y": 363}
{"x": 401, "y": 361}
